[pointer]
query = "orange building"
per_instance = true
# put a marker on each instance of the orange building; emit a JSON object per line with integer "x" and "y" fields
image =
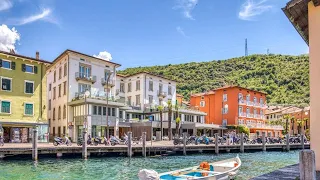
{"x": 179, "y": 98}
{"x": 234, "y": 105}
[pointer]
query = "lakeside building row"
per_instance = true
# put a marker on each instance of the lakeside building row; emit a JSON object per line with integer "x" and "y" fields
{"x": 298, "y": 118}
{"x": 78, "y": 90}
{"x": 234, "y": 105}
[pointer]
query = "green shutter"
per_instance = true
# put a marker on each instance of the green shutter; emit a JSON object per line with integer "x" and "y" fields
{"x": 23, "y": 68}
{"x": 5, "y": 107}
{"x": 35, "y": 69}
{"x": 28, "y": 109}
{"x": 13, "y": 65}
{"x": 0, "y": 62}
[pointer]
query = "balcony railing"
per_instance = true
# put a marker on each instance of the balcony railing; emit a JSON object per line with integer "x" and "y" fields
{"x": 162, "y": 94}
{"x": 94, "y": 94}
{"x": 242, "y": 102}
{"x": 256, "y": 104}
{"x": 85, "y": 77}
{"x": 259, "y": 125}
{"x": 242, "y": 114}
{"x": 105, "y": 82}
{"x": 249, "y": 115}
{"x": 249, "y": 103}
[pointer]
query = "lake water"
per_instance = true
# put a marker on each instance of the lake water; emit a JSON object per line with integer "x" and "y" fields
{"x": 122, "y": 168}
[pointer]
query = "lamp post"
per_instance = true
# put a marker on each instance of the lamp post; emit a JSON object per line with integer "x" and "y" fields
{"x": 107, "y": 78}
{"x": 85, "y": 125}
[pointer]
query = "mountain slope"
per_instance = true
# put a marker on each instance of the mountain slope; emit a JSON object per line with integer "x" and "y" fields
{"x": 284, "y": 78}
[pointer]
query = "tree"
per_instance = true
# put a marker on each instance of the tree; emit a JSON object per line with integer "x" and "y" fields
{"x": 287, "y": 118}
{"x": 170, "y": 120}
{"x": 160, "y": 109}
{"x": 243, "y": 129}
{"x": 301, "y": 123}
{"x": 178, "y": 120}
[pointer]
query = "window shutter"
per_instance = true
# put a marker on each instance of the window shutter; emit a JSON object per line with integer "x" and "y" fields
{"x": 23, "y": 67}
{"x": 35, "y": 69}
{"x": 0, "y": 62}
{"x": 13, "y": 65}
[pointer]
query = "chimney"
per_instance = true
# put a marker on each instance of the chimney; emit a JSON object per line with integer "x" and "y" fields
{"x": 37, "y": 55}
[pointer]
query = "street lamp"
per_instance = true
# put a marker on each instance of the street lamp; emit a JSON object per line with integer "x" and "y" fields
{"x": 107, "y": 78}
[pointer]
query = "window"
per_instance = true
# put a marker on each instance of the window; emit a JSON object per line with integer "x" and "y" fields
{"x": 104, "y": 111}
{"x": 248, "y": 98}
{"x": 121, "y": 114}
{"x": 109, "y": 111}
{"x": 137, "y": 85}
{"x": 225, "y": 109}
{"x": 95, "y": 110}
{"x": 85, "y": 71}
{"x": 99, "y": 110}
{"x": 54, "y": 76}
{"x": 113, "y": 111}
{"x": 54, "y": 93}
{"x": 65, "y": 69}
{"x": 240, "y": 110}
{"x": 65, "y": 88}
{"x": 169, "y": 90}
{"x": 150, "y": 86}
{"x": 59, "y": 131}
{"x": 29, "y": 87}
{"x": 49, "y": 104}
{"x": 129, "y": 100}
{"x": 59, "y": 88}
{"x": 225, "y": 97}
{"x": 28, "y": 109}
{"x": 64, "y": 111}
{"x": 84, "y": 87}
{"x": 59, "y": 113}
{"x": 150, "y": 99}
{"x": 129, "y": 87}
{"x": 60, "y": 73}
{"x": 29, "y": 68}
{"x": 7, "y": 64}
{"x": 6, "y": 107}
{"x": 202, "y": 103}
{"x": 6, "y": 84}
{"x": 137, "y": 99}
{"x": 122, "y": 87}
{"x": 224, "y": 122}
{"x": 160, "y": 88}
{"x": 54, "y": 131}
{"x": 50, "y": 87}
{"x": 54, "y": 114}
{"x": 254, "y": 100}
{"x": 261, "y": 101}
{"x": 64, "y": 131}
{"x": 248, "y": 112}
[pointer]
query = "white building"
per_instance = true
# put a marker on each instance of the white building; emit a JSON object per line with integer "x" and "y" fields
{"x": 130, "y": 101}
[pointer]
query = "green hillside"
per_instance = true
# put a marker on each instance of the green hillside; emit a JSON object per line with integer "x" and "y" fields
{"x": 284, "y": 78}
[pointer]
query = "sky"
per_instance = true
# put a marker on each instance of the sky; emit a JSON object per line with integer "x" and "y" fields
{"x": 148, "y": 32}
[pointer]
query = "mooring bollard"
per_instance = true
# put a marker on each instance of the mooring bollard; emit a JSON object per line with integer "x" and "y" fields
{"x": 35, "y": 145}
{"x": 302, "y": 141}
{"x": 184, "y": 143}
{"x": 130, "y": 144}
{"x": 84, "y": 144}
{"x": 264, "y": 148}
{"x": 241, "y": 143}
{"x": 144, "y": 138}
{"x": 307, "y": 165}
{"x": 216, "y": 145}
{"x": 287, "y": 142}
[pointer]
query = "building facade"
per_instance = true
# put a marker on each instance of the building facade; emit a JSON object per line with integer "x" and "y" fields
{"x": 305, "y": 17}
{"x": 23, "y": 97}
{"x": 86, "y": 92}
{"x": 234, "y": 105}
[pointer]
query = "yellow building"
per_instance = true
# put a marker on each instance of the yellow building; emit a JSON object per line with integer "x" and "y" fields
{"x": 22, "y": 97}
{"x": 305, "y": 17}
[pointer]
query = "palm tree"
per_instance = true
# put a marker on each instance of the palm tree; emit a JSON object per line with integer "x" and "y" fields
{"x": 160, "y": 109}
{"x": 170, "y": 120}
{"x": 301, "y": 123}
{"x": 177, "y": 119}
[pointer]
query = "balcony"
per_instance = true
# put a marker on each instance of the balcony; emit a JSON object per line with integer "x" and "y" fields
{"x": 161, "y": 94}
{"x": 249, "y": 103}
{"x": 256, "y": 104}
{"x": 85, "y": 77}
{"x": 109, "y": 83}
{"x": 242, "y": 114}
{"x": 242, "y": 102}
{"x": 249, "y": 115}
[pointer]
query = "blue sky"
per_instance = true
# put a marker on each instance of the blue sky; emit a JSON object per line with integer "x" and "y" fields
{"x": 148, "y": 32}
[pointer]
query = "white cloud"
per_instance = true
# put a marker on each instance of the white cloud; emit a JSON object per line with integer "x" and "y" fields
{"x": 180, "y": 31}
{"x": 252, "y": 8}
{"x": 44, "y": 15}
{"x": 8, "y": 38}
{"x": 186, "y": 6}
{"x": 104, "y": 55}
{"x": 5, "y": 4}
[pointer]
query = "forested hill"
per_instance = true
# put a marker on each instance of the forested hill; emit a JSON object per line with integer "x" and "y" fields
{"x": 284, "y": 78}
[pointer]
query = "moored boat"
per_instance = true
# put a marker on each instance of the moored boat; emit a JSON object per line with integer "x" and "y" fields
{"x": 225, "y": 169}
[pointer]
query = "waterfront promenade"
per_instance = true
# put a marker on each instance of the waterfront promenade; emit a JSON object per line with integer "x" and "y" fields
{"x": 157, "y": 148}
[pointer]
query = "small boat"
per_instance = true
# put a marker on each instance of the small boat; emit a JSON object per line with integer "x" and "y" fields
{"x": 226, "y": 169}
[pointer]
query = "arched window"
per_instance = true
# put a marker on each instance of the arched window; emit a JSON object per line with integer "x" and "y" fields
{"x": 248, "y": 98}
{"x": 54, "y": 114}
{"x": 64, "y": 111}
{"x": 248, "y": 112}
{"x": 59, "y": 113}
{"x": 255, "y": 100}
{"x": 240, "y": 96}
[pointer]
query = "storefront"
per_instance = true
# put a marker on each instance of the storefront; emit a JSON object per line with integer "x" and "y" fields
{"x": 19, "y": 133}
